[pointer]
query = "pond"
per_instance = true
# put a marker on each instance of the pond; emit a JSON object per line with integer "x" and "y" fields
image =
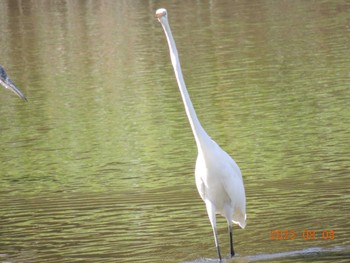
{"x": 98, "y": 165}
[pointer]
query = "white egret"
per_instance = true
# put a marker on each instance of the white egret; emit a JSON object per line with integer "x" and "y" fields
{"x": 218, "y": 177}
{"x": 7, "y": 83}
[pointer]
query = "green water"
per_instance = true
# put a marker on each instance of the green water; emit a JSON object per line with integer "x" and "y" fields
{"x": 98, "y": 165}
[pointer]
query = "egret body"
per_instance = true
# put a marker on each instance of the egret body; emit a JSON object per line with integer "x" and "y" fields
{"x": 218, "y": 177}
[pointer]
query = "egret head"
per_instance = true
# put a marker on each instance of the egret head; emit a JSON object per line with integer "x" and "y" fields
{"x": 160, "y": 13}
{"x": 7, "y": 83}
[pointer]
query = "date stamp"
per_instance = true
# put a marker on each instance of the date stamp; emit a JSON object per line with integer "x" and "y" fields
{"x": 307, "y": 234}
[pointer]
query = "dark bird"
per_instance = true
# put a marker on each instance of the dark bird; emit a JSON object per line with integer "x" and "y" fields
{"x": 7, "y": 83}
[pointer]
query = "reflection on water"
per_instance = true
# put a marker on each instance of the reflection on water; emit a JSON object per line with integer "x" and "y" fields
{"x": 98, "y": 166}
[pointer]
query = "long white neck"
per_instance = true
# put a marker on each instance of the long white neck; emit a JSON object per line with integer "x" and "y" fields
{"x": 199, "y": 133}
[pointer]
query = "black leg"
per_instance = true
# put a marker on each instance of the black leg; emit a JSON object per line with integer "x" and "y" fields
{"x": 217, "y": 242}
{"x": 219, "y": 254}
{"x": 231, "y": 242}
{"x": 212, "y": 218}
